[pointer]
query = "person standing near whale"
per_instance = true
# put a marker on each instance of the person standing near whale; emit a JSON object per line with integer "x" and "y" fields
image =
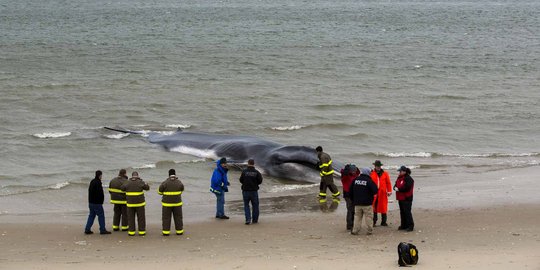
{"x": 219, "y": 185}
{"x": 327, "y": 174}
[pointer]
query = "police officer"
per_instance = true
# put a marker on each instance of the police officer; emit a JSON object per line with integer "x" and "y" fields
{"x": 251, "y": 179}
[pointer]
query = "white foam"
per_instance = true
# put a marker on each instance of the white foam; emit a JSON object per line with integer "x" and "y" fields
{"x": 178, "y": 126}
{"x": 296, "y": 127}
{"x": 146, "y": 133}
{"x": 195, "y": 152}
{"x": 403, "y": 154}
{"x": 146, "y": 166}
{"x": 117, "y": 136}
{"x": 276, "y": 189}
{"x": 59, "y": 185}
{"x": 46, "y": 135}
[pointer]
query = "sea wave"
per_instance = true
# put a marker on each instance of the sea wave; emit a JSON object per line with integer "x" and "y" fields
{"x": 21, "y": 189}
{"x": 463, "y": 155}
{"x": 181, "y": 126}
{"x": 47, "y": 135}
{"x": 145, "y": 166}
{"x": 296, "y": 127}
{"x": 117, "y": 136}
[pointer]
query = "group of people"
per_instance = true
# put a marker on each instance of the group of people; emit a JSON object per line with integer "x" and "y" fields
{"x": 127, "y": 196}
{"x": 366, "y": 193}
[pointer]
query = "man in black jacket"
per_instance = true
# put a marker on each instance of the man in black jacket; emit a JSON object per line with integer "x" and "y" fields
{"x": 362, "y": 192}
{"x": 251, "y": 179}
{"x": 95, "y": 204}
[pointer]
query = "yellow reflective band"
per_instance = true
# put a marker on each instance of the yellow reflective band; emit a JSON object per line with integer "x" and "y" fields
{"x": 336, "y": 194}
{"x": 166, "y": 232}
{"x": 327, "y": 173}
{"x": 325, "y": 164}
{"x": 172, "y": 204}
{"x": 322, "y": 201}
{"x": 115, "y": 227}
{"x": 172, "y": 192}
{"x": 131, "y": 233}
{"x": 134, "y": 193}
{"x": 336, "y": 201}
{"x": 322, "y": 194}
{"x": 142, "y": 232}
{"x": 118, "y": 202}
{"x": 125, "y": 227}
{"x": 180, "y": 232}
{"x": 115, "y": 190}
{"x": 159, "y": 192}
{"x": 136, "y": 204}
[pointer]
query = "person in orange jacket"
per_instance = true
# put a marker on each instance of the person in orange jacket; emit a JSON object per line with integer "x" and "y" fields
{"x": 381, "y": 178}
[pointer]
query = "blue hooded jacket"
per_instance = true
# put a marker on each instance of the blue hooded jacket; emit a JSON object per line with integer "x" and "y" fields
{"x": 219, "y": 182}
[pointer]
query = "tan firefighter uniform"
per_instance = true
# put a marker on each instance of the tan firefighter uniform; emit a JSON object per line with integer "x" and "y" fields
{"x": 118, "y": 198}
{"x": 171, "y": 190}
{"x": 327, "y": 175}
{"x": 135, "y": 203}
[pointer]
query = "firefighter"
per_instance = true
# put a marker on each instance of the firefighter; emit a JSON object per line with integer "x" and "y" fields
{"x": 134, "y": 189}
{"x": 327, "y": 177}
{"x": 171, "y": 190}
{"x": 118, "y": 198}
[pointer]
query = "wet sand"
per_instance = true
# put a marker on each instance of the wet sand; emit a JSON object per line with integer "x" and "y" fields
{"x": 501, "y": 237}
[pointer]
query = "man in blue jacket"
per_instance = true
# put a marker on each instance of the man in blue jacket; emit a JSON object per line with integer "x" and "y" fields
{"x": 362, "y": 192}
{"x": 219, "y": 185}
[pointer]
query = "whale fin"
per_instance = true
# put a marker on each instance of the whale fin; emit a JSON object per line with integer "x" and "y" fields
{"x": 122, "y": 130}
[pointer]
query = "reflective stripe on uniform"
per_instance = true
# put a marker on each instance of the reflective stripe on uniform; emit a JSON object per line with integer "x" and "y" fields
{"x": 131, "y": 233}
{"x": 322, "y": 200}
{"x": 166, "y": 232}
{"x": 125, "y": 227}
{"x": 136, "y": 204}
{"x": 115, "y": 227}
{"x": 327, "y": 173}
{"x": 118, "y": 202}
{"x": 322, "y": 194}
{"x": 142, "y": 232}
{"x": 115, "y": 190}
{"x": 134, "y": 193}
{"x": 172, "y": 204}
{"x": 172, "y": 192}
{"x": 336, "y": 194}
{"x": 179, "y": 231}
{"x": 325, "y": 164}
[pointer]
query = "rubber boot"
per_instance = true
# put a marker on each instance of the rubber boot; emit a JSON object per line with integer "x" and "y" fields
{"x": 383, "y": 220}
{"x": 374, "y": 219}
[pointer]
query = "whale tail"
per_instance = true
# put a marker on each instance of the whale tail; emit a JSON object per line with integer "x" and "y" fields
{"x": 123, "y": 130}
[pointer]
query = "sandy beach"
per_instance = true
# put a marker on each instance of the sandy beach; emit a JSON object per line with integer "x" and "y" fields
{"x": 503, "y": 237}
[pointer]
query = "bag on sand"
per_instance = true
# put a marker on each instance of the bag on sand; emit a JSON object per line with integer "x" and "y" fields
{"x": 407, "y": 254}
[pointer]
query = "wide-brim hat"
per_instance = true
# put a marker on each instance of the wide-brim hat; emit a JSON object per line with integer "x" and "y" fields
{"x": 377, "y": 163}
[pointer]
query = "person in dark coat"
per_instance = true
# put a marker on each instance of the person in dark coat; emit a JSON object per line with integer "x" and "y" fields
{"x": 362, "y": 193}
{"x": 251, "y": 179}
{"x": 95, "y": 205}
{"x": 404, "y": 188}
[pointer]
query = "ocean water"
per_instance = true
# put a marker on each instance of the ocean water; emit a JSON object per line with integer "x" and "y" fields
{"x": 440, "y": 86}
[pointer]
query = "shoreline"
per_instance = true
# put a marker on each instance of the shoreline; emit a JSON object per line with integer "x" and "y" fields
{"x": 476, "y": 238}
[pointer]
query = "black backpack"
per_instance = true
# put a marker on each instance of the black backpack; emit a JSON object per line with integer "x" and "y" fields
{"x": 407, "y": 254}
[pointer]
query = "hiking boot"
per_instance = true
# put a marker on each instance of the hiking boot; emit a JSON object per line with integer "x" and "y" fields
{"x": 105, "y": 232}
{"x": 223, "y": 217}
{"x": 88, "y": 232}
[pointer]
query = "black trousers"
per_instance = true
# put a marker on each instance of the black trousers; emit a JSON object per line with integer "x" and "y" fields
{"x": 120, "y": 213}
{"x": 141, "y": 219}
{"x": 405, "y": 208}
{"x": 350, "y": 210}
{"x": 176, "y": 213}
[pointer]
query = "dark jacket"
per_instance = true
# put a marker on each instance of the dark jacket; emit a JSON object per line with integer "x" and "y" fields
{"x": 219, "y": 182}
{"x": 95, "y": 192}
{"x": 250, "y": 179}
{"x": 405, "y": 188}
{"x": 134, "y": 192}
{"x": 362, "y": 190}
{"x": 115, "y": 189}
{"x": 171, "y": 189}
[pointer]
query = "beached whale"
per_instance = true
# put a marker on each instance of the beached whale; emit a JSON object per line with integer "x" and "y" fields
{"x": 271, "y": 158}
